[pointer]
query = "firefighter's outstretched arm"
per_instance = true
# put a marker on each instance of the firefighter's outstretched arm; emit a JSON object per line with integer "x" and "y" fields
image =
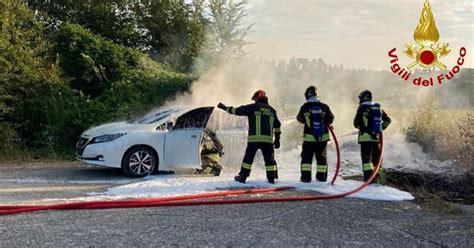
{"x": 241, "y": 111}
{"x": 221, "y": 106}
{"x": 386, "y": 120}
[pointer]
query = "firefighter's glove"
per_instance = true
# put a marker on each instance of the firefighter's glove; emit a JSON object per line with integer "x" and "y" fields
{"x": 276, "y": 143}
{"x": 221, "y": 106}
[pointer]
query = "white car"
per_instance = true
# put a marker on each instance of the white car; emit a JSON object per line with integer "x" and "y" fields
{"x": 169, "y": 140}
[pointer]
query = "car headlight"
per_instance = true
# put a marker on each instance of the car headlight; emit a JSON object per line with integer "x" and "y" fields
{"x": 107, "y": 137}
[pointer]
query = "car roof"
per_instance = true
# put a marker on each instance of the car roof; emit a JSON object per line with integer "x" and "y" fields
{"x": 157, "y": 116}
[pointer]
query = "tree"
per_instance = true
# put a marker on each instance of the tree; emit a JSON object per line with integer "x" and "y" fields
{"x": 90, "y": 60}
{"x": 171, "y": 31}
{"x": 23, "y": 55}
{"x": 176, "y": 30}
{"x": 227, "y": 35}
{"x": 25, "y": 66}
{"x": 114, "y": 20}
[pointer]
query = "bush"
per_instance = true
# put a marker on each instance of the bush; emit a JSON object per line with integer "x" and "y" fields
{"x": 143, "y": 88}
{"x": 100, "y": 82}
{"x": 92, "y": 61}
{"x": 51, "y": 121}
{"x": 9, "y": 140}
{"x": 444, "y": 133}
{"x": 420, "y": 130}
{"x": 61, "y": 114}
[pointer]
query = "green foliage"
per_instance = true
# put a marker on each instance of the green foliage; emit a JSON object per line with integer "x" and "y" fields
{"x": 25, "y": 68}
{"x": 115, "y": 20}
{"x": 8, "y": 140}
{"x": 54, "y": 88}
{"x": 61, "y": 114}
{"x": 54, "y": 118}
{"x": 124, "y": 83}
{"x": 22, "y": 65}
{"x": 171, "y": 31}
{"x": 143, "y": 88}
{"x": 176, "y": 29}
{"x": 92, "y": 62}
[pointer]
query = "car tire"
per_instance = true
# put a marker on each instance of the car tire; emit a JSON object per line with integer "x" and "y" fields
{"x": 139, "y": 161}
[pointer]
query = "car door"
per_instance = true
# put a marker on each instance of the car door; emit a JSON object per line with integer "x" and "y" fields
{"x": 183, "y": 142}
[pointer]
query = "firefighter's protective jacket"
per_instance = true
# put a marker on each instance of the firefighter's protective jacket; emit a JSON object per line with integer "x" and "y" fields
{"x": 361, "y": 122}
{"x": 263, "y": 121}
{"x": 304, "y": 116}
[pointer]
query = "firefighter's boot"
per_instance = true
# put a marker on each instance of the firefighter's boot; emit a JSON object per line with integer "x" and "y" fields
{"x": 240, "y": 179}
{"x": 368, "y": 169}
{"x": 322, "y": 173}
{"x": 305, "y": 173}
{"x": 305, "y": 180}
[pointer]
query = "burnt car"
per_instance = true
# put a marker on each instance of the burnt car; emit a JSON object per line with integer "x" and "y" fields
{"x": 169, "y": 140}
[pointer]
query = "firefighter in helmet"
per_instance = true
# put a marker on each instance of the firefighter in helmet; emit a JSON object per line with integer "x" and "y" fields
{"x": 263, "y": 134}
{"x": 371, "y": 120}
{"x": 316, "y": 117}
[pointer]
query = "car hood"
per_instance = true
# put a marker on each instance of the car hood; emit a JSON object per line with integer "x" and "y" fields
{"x": 112, "y": 128}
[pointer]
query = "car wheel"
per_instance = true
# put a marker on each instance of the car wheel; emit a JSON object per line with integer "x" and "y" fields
{"x": 139, "y": 161}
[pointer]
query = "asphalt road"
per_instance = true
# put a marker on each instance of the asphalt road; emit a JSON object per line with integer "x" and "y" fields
{"x": 342, "y": 222}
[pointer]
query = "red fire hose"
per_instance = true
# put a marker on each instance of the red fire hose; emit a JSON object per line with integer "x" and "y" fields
{"x": 82, "y": 205}
{"x": 338, "y": 155}
{"x": 189, "y": 200}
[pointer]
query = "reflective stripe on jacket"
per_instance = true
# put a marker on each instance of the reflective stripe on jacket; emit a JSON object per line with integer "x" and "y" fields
{"x": 263, "y": 121}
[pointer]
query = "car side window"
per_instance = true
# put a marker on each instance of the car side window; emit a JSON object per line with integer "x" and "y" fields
{"x": 165, "y": 126}
{"x": 161, "y": 127}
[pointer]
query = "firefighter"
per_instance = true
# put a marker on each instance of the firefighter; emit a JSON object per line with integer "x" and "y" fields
{"x": 316, "y": 117}
{"x": 211, "y": 153}
{"x": 371, "y": 120}
{"x": 263, "y": 134}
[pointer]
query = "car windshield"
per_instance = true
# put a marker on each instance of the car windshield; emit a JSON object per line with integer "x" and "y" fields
{"x": 155, "y": 117}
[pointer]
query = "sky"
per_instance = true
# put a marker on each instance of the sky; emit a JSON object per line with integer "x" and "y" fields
{"x": 358, "y": 34}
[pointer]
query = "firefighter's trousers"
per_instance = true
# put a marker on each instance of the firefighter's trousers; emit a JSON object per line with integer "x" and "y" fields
{"x": 268, "y": 156}
{"x": 310, "y": 150}
{"x": 370, "y": 153}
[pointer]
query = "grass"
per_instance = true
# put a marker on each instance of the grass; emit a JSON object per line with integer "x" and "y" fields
{"x": 427, "y": 198}
{"x": 433, "y": 192}
{"x": 22, "y": 156}
{"x": 433, "y": 202}
{"x": 445, "y": 134}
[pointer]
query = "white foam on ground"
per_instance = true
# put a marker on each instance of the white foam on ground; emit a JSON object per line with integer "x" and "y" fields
{"x": 288, "y": 159}
{"x": 159, "y": 186}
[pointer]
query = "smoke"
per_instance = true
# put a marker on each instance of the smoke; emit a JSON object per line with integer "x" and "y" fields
{"x": 233, "y": 81}
{"x": 229, "y": 83}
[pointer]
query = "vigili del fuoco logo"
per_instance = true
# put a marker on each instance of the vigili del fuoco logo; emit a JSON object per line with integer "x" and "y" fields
{"x": 427, "y": 54}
